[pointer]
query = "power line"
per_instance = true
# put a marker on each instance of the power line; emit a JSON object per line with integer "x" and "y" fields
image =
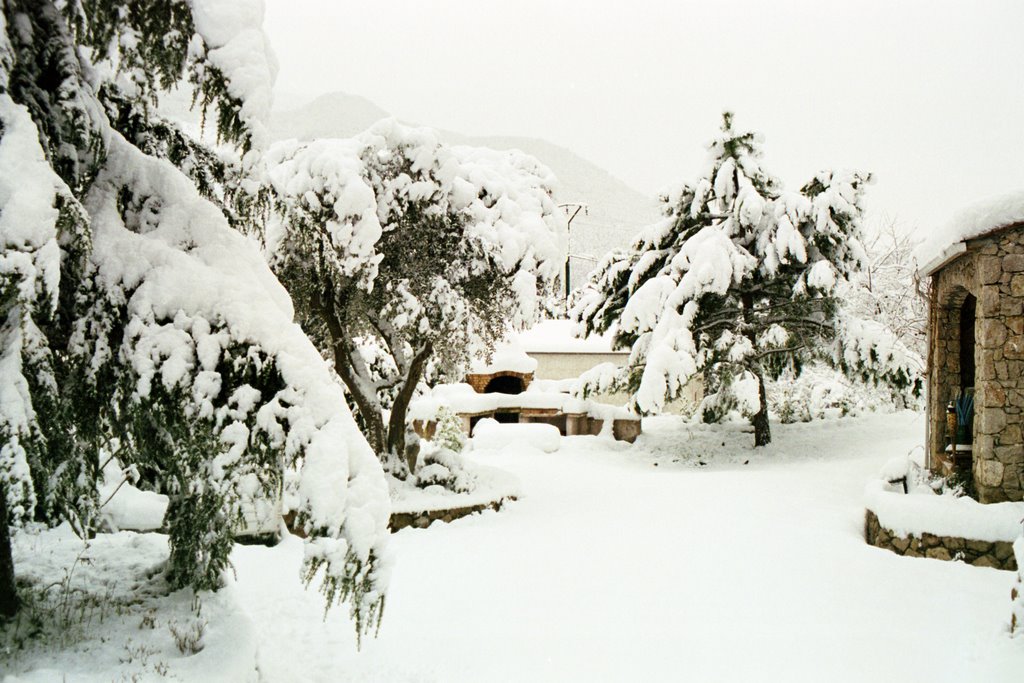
{"x": 575, "y": 207}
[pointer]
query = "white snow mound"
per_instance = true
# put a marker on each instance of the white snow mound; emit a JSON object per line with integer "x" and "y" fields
{"x": 491, "y": 435}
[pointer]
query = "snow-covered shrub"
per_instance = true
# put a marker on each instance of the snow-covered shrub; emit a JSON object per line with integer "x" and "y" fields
{"x": 188, "y": 637}
{"x": 135, "y": 311}
{"x": 887, "y": 288}
{"x": 959, "y": 483}
{"x": 820, "y": 391}
{"x": 788, "y": 404}
{"x": 449, "y": 432}
{"x": 441, "y": 466}
{"x": 740, "y": 282}
{"x": 1017, "y": 592}
{"x": 401, "y": 252}
{"x": 725, "y": 394}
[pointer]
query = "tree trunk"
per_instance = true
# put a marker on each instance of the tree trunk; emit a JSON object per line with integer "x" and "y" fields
{"x": 396, "y": 424}
{"x": 368, "y": 406}
{"x": 8, "y": 591}
{"x": 762, "y": 432}
{"x": 341, "y": 345}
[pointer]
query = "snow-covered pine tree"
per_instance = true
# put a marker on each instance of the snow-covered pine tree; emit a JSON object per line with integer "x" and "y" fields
{"x": 135, "y": 317}
{"x": 737, "y": 283}
{"x": 400, "y": 251}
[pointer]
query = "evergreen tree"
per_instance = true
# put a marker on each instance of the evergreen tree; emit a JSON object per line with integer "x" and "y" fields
{"x": 135, "y": 321}
{"x": 738, "y": 283}
{"x": 402, "y": 253}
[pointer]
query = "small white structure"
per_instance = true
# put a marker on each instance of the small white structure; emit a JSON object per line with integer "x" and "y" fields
{"x": 510, "y": 388}
{"x": 559, "y": 355}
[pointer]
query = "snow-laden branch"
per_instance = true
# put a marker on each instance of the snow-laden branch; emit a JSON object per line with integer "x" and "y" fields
{"x": 423, "y": 252}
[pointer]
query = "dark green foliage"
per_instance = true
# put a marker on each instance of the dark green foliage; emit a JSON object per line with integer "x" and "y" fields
{"x": 9, "y": 601}
{"x": 356, "y": 586}
{"x": 158, "y": 55}
{"x": 47, "y": 77}
{"x": 87, "y": 394}
{"x": 217, "y": 178}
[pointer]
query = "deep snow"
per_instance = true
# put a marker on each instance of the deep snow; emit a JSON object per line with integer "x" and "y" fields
{"x": 626, "y": 563}
{"x": 636, "y": 563}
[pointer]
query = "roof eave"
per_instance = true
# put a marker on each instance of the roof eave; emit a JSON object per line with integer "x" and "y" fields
{"x": 947, "y": 255}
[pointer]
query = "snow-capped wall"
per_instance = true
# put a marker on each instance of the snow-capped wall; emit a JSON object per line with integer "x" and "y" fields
{"x": 923, "y": 524}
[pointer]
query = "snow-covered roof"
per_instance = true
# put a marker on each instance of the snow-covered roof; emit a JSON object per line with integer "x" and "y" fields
{"x": 976, "y": 220}
{"x": 556, "y": 336}
{"x": 508, "y": 357}
{"x": 549, "y": 336}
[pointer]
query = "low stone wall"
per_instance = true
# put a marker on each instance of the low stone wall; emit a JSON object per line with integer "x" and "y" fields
{"x": 997, "y": 554}
{"x": 421, "y": 520}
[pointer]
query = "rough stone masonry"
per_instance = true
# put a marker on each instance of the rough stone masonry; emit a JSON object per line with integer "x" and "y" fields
{"x": 992, "y": 271}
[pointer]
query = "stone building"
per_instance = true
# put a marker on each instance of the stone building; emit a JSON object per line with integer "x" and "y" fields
{"x": 976, "y": 344}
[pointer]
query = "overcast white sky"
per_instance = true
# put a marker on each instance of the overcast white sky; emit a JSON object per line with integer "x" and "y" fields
{"x": 929, "y": 96}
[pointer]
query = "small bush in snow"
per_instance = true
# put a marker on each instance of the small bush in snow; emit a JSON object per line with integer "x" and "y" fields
{"x": 444, "y": 467}
{"x": 788, "y": 404}
{"x": 449, "y": 432}
{"x": 140, "y": 654}
{"x": 960, "y": 483}
{"x": 188, "y": 637}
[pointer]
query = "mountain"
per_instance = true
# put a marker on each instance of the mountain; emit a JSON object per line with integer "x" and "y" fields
{"x": 615, "y": 211}
{"x": 334, "y": 115}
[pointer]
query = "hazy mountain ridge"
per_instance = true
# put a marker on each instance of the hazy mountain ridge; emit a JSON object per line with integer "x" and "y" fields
{"x": 616, "y": 211}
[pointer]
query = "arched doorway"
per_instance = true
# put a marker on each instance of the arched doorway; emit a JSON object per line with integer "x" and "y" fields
{"x": 953, "y": 373}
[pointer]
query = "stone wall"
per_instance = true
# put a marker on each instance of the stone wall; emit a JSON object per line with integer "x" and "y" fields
{"x": 992, "y": 270}
{"x": 421, "y": 520}
{"x": 997, "y": 554}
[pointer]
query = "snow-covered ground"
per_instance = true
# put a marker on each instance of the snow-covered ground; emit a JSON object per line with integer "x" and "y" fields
{"x": 638, "y": 563}
{"x": 635, "y": 563}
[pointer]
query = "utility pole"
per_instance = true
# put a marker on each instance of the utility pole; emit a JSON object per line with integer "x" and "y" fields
{"x": 575, "y": 208}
